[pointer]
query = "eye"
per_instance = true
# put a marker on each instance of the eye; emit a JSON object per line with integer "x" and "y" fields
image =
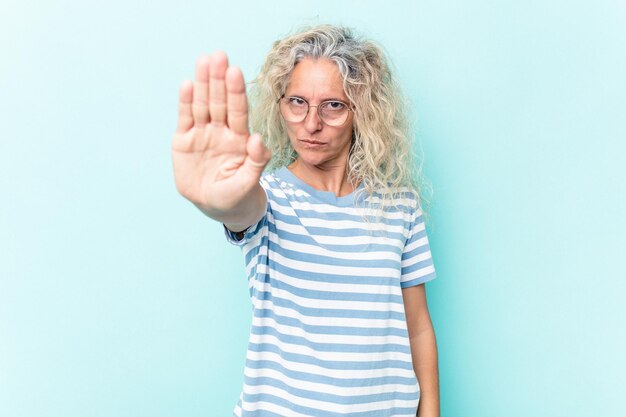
{"x": 334, "y": 105}
{"x": 296, "y": 101}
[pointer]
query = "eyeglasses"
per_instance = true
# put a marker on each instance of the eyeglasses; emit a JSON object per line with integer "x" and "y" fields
{"x": 331, "y": 112}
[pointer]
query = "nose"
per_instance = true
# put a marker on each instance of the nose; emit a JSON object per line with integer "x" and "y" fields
{"x": 312, "y": 122}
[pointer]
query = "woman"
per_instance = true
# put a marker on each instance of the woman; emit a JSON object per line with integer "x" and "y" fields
{"x": 332, "y": 233}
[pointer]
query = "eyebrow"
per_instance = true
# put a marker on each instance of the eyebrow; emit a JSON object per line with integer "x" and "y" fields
{"x": 323, "y": 100}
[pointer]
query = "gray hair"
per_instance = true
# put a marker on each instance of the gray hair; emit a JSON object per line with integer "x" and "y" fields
{"x": 381, "y": 155}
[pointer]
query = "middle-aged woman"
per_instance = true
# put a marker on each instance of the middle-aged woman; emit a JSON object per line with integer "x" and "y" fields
{"x": 332, "y": 231}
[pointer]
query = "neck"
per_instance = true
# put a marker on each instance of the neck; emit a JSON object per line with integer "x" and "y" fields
{"x": 332, "y": 178}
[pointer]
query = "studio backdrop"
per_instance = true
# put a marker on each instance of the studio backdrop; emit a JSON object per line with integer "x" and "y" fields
{"x": 118, "y": 298}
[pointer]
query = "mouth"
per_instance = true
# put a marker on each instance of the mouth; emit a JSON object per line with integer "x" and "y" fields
{"x": 312, "y": 142}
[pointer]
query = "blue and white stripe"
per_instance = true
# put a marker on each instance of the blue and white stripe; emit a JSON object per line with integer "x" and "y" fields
{"x": 329, "y": 335}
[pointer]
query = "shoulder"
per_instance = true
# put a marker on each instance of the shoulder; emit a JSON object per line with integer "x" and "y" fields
{"x": 270, "y": 181}
{"x": 403, "y": 198}
{"x": 279, "y": 192}
{"x": 283, "y": 185}
{"x": 267, "y": 179}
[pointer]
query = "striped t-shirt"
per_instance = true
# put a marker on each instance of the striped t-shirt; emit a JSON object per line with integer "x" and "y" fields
{"x": 329, "y": 334}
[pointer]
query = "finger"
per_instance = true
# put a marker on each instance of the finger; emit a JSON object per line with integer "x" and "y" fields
{"x": 217, "y": 88}
{"x": 237, "y": 104}
{"x": 200, "y": 107}
{"x": 258, "y": 155}
{"x": 185, "y": 117}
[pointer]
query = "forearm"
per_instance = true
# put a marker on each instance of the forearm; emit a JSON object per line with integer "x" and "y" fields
{"x": 244, "y": 214}
{"x": 425, "y": 364}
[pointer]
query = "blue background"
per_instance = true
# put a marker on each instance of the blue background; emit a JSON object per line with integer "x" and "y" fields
{"x": 119, "y": 298}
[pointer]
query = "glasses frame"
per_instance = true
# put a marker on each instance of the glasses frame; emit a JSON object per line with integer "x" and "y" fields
{"x": 348, "y": 107}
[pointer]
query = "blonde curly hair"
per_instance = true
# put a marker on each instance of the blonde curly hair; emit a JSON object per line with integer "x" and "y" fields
{"x": 381, "y": 156}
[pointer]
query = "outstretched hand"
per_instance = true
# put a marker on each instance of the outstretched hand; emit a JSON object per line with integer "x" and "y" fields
{"x": 216, "y": 160}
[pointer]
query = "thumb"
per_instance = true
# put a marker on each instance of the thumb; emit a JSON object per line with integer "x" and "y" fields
{"x": 258, "y": 154}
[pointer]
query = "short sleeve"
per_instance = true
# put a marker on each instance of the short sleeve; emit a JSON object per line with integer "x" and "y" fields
{"x": 254, "y": 233}
{"x": 248, "y": 235}
{"x": 417, "y": 261}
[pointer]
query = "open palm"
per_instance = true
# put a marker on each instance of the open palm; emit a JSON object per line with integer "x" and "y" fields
{"x": 216, "y": 160}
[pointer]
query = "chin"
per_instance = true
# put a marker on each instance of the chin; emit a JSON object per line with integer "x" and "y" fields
{"x": 312, "y": 159}
{"x": 317, "y": 157}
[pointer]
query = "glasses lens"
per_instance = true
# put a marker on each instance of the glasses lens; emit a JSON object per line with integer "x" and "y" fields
{"x": 294, "y": 109}
{"x": 333, "y": 113}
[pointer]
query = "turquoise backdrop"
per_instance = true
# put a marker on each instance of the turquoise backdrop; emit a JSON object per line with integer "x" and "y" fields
{"x": 118, "y": 298}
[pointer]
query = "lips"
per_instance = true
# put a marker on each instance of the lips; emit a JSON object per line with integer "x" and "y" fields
{"x": 311, "y": 142}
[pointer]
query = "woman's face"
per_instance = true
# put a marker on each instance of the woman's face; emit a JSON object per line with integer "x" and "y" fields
{"x": 316, "y": 81}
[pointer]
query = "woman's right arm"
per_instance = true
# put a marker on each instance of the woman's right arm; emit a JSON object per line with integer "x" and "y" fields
{"x": 217, "y": 163}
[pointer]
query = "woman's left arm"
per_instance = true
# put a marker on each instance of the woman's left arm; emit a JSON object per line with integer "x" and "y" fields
{"x": 423, "y": 349}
